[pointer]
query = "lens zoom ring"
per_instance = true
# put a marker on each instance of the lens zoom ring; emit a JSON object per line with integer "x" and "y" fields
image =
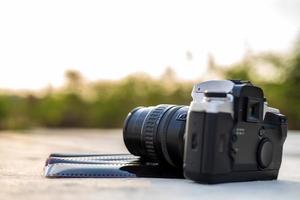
{"x": 149, "y": 130}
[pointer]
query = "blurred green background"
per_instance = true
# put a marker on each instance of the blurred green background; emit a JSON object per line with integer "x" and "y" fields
{"x": 105, "y": 104}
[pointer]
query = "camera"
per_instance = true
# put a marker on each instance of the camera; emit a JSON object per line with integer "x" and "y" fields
{"x": 227, "y": 134}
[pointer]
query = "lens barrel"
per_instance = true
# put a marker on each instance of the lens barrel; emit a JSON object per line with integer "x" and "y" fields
{"x": 156, "y": 133}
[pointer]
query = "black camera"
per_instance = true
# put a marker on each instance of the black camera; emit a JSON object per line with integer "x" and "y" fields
{"x": 228, "y": 133}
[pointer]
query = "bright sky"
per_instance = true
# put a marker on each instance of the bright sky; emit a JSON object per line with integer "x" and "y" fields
{"x": 39, "y": 39}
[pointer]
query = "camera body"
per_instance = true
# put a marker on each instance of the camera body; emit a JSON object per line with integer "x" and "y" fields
{"x": 227, "y": 134}
{"x": 232, "y": 134}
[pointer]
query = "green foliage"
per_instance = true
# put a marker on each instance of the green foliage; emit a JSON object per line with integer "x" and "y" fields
{"x": 106, "y": 107}
{"x": 105, "y": 104}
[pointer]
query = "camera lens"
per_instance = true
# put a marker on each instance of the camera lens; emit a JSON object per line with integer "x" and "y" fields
{"x": 156, "y": 133}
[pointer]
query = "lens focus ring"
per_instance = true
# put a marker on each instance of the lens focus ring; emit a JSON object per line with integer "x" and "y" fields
{"x": 150, "y": 128}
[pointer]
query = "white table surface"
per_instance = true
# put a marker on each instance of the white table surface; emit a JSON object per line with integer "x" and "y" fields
{"x": 22, "y": 157}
